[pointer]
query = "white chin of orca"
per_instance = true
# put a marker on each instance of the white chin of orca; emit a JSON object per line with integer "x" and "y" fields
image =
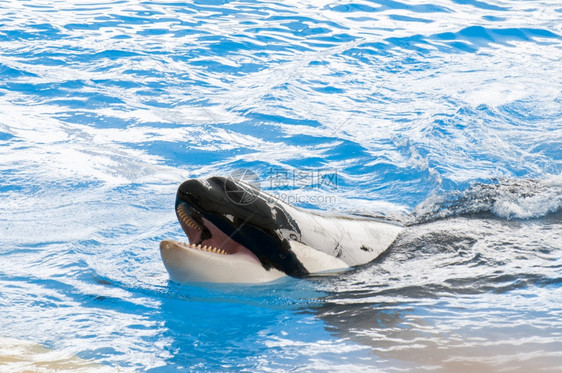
{"x": 189, "y": 263}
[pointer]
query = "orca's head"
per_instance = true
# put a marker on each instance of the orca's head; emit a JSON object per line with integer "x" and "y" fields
{"x": 235, "y": 231}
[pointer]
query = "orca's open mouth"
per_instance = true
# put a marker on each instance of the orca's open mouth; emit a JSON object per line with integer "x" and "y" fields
{"x": 211, "y": 254}
{"x": 205, "y": 236}
{"x": 245, "y": 238}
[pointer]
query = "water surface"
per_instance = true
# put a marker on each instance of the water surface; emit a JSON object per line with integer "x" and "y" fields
{"x": 445, "y": 116}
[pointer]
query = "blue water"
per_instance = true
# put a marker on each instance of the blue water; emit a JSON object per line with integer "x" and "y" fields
{"x": 446, "y": 116}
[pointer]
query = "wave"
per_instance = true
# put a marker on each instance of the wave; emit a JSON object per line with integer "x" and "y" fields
{"x": 502, "y": 198}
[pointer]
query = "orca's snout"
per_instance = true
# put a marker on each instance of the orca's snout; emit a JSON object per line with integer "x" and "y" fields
{"x": 196, "y": 193}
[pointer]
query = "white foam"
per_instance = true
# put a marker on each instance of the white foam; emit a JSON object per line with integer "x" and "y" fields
{"x": 508, "y": 199}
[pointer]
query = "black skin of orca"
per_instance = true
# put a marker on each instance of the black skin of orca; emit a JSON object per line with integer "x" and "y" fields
{"x": 254, "y": 223}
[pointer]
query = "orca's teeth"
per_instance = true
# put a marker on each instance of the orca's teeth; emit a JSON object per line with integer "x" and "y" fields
{"x": 206, "y": 248}
{"x": 186, "y": 219}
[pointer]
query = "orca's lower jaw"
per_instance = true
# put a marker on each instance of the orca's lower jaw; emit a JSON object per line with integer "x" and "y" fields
{"x": 210, "y": 255}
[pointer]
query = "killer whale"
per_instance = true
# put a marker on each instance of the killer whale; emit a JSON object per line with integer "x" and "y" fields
{"x": 240, "y": 234}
